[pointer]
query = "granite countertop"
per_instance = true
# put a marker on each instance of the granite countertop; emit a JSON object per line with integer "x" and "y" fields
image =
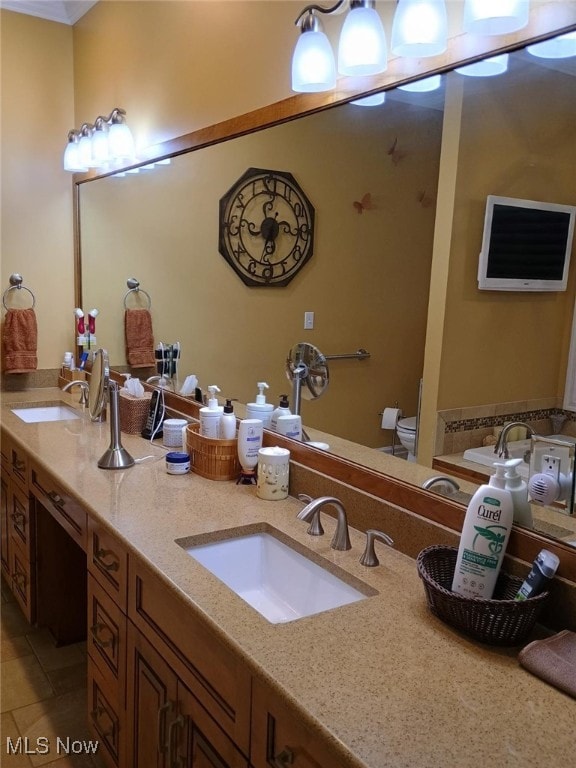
{"x": 384, "y": 680}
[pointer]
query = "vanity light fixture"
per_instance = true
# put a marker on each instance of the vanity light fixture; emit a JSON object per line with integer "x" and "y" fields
{"x": 106, "y": 142}
{"x": 495, "y": 17}
{"x": 420, "y": 28}
{"x": 362, "y": 46}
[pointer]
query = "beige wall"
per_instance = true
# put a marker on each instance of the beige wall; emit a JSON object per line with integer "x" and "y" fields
{"x": 37, "y": 112}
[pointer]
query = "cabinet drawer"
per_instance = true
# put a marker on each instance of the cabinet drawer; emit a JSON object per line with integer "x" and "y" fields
{"x": 19, "y": 466}
{"x": 106, "y": 638}
{"x": 63, "y": 507}
{"x": 19, "y": 520}
{"x": 4, "y": 523}
{"x": 280, "y": 739}
{"x": 107, "y": 722}
{"x": 22, "y": 578}
{"x": 108, "y": 562}
{"x": 211, "y": 671}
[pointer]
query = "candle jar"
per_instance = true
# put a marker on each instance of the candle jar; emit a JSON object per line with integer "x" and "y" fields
{"x": 273, "y": 473}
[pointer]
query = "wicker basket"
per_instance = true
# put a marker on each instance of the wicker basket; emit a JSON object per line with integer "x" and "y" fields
{"x": 212, "y": 458}
{"x": 133, "y": 412}
{"x": 499, "y": 621}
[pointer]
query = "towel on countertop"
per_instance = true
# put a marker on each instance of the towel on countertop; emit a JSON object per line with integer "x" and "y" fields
{"x": 553, "y": 660}
{"x": 139, "y": 338}
{"x": 20, "y": 341}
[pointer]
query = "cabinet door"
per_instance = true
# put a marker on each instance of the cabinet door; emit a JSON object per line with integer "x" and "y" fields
{"x": 198, "y": 742}
{"x": 280, "y": 739}
{"x": 151, "y": 705}
{"x": 4, "y": 536}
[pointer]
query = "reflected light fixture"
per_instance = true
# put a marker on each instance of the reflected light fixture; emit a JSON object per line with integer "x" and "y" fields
{"x": 495, "y": 17}
{"x": 425, "y": 85}
{"x": 103, "y": 144}
{"x": 495, "y": 65}
{"x": 374, "y": 100}
{"x": 362, "y": 48}
{"x": 561, "y": 47}
{"x": 420, "y": 28}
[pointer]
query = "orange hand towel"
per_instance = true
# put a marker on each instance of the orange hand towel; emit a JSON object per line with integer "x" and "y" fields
{"x": 20, "y": 341}
{"x": 139, "y": 338}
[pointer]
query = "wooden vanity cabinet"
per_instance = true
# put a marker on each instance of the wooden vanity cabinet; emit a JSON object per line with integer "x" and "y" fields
{"x": 168, "y": 725}
{"x": 107, "y": 643}
{"x": 17, "y": 527}
{"x": 183, "y": 679}
{"x": 280, "y": 740}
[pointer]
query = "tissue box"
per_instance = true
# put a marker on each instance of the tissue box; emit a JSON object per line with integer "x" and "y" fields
{"x": 133, "y": 412}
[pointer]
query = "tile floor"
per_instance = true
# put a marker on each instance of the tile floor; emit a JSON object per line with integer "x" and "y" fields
{"x": 43, "y": 696}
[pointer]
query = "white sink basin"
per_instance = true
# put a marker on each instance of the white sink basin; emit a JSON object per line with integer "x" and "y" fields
{"x": 276, "y": 580}
{"x": 516, "y": 449}
{"x": 34, "y": 415}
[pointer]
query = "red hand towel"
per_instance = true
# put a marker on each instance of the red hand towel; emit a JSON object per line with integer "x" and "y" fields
{"x": 20, "y": 341}
{"x": 139, "y": 338}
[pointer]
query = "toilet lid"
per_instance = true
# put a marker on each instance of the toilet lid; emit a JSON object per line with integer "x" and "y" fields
{"x": 408, "y": 424}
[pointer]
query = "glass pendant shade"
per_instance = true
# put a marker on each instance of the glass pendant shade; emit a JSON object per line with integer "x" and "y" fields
{"x": 120, "y": 142}
{"x": 495, "y": 65}
{"x": 100, "y": 150}
{"x": 425, "y": 85}
{"x": 362, "y": 48}
{"x": 495, "y": 17}
{"x": 72, "y": 157}
{"x": 313, "y": 66}
{"x": 561, "y": 47}
{"x": 85, "y": 151}
{"x": 420, "y": 28}
{"x": 373, "y": 100}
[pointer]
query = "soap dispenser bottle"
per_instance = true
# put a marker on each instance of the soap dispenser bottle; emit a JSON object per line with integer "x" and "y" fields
{"x": 485, "y": 534}
{"x": 210, "y": 415}
{"x": 518, "y": 489}
{"x": 283, "y": 409}
{"x": 260, "y": 409}
{"x": 228, "y": 422}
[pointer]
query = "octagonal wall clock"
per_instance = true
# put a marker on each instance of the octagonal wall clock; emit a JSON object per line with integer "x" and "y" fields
{"x": 266, "y": 227}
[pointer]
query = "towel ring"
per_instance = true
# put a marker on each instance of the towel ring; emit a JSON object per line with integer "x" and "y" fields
{"x": 134, "y": 287}
{"x": 16, "y": 284}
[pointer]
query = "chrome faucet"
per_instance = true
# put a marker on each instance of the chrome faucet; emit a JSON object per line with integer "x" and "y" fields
{"x": 443, "y": 480}
{"x": 501, "y": 447}
{"x": 83, "y": 390}
{"x": 311, "y": 514}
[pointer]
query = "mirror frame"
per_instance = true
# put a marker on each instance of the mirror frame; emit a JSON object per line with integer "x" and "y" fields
{"x": 544, "y": 23}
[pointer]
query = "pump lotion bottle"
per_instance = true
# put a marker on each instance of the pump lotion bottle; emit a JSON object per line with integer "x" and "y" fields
{"x": 485, "y": 534}
{"x": 260, "y": 409}
{"x": 211, "y": 414}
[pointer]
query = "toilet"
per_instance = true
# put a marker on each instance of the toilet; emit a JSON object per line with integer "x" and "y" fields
{"x": 406, "y": 431}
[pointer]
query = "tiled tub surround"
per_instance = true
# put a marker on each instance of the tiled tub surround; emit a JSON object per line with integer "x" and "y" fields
{"x": 381, "y": 680}
{"x": 461, "y": 428}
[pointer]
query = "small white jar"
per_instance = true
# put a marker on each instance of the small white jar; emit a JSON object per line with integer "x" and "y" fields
{"x": 273, "y": 473}
{"x": 172, "y": 432}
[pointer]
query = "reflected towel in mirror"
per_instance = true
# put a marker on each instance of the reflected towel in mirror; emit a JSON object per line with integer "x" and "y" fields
{"x": 139, "y": 338}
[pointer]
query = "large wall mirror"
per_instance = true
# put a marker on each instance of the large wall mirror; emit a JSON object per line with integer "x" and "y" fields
{"x": 376, "y": 176}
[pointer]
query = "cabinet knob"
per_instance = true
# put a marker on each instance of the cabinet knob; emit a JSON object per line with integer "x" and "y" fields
{"x": 96, "y": 629}
{"x": 56, "y": 499}
{"x": 284, "y": 758}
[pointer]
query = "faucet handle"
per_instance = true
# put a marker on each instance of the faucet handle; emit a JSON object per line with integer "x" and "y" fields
{"x": 315, "y": 527}
{"x": 369, "y": 556}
